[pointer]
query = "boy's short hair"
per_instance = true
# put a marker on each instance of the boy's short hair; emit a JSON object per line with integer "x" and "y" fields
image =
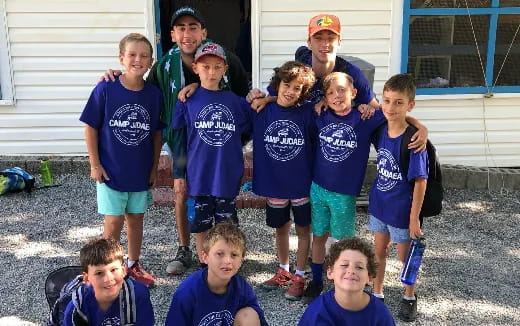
{"x": 290, "y": 71}
{"x": 225, "y": 231}
{"x": 100, "y": 251}
{"x": 336, "y": 76}
{"x": 403, "y": 83}
{"x": 356, "y": 244}
{"x": 134, "y": 37}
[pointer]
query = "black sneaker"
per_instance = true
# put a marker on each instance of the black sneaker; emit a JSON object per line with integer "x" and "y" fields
{"x": 182, "y": 261}
{"x": 312, "y": 291}
{"x": 408, "y": 310}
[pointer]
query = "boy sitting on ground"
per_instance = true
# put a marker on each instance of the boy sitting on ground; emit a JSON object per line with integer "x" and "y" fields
{"x": 105, "y": 299}
{"x": 350, "y": 265}
{"x": 216, "y": 295}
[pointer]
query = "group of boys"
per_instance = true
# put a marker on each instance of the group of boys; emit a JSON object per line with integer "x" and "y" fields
{"x": 204, "y": 134}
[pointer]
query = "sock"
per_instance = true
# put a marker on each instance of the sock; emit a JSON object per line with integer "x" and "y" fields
{"x": 412, "y": 298}
{"x": 286, "y": 267}
{"x": 130, "y": 263}
{"x": 379, "y": 295}
{"x": 299, "y": 272}
{"x": 317, "y": 273}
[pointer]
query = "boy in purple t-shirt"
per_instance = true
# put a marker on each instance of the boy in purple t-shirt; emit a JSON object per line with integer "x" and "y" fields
{"x": 283, "y": 134}
{"x": 350, "y": 265}
{"x": 396, "y": 199}
{"x": 123, "y": 136}
{"x": 215, "y": 120}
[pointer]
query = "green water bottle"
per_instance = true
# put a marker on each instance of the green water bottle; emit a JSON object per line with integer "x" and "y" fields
{"x": 45, "y": 171}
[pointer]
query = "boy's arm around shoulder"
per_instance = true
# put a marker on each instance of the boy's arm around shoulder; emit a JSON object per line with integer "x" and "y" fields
{"x": 419, "y": 139}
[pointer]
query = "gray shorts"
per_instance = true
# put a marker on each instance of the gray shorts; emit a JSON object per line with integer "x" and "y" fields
{"x": 396, "y": 234}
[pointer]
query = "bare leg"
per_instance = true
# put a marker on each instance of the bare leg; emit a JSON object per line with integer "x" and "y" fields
{"x": 181, "y": 218}
{"x": 380, "y": 251}
{"x": 134, "y": 234}
{"x": 402, "y": 251}
{"x": 113, "y": 225}
{"x": 247, "y": 316}
{"x": 303, "y": 246}
{"x": 282, "y": 243}
{"x": 318, "y": 248}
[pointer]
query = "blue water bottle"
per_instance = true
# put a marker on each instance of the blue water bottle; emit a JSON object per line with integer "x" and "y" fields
{"x": 413, "y": 261}
{"x": 190, "y": 209}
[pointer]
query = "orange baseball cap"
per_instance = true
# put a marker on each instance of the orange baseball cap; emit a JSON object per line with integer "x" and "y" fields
{"x": 324, "y": 22}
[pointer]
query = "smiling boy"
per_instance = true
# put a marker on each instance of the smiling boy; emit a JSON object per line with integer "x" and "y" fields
{"x": 350, "y": 265}
{"x": 104, "y": 274}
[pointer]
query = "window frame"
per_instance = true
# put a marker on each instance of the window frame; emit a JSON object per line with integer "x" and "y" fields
{"x": 6, "y": 70}
{"x": 494, "y": 11}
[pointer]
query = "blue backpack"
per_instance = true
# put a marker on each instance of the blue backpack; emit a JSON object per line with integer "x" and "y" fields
{"x": 15, "y": 180}
{"x": 74, "y": 290}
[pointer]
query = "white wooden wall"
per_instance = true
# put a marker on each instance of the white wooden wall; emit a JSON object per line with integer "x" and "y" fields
{"x": 58, "y": 50}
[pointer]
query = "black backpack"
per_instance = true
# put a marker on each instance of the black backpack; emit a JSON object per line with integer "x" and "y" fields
{"x": 432, "y": 204}
{"x": 74, "y": 290}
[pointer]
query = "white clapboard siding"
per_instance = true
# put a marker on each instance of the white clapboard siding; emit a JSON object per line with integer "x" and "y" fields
{"x": 482, "y": 132}
{"x": 41, "y": 133}
{"x": 58, "y": 49}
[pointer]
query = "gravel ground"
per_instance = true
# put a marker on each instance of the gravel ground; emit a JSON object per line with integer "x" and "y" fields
{"x": 469, "y": 276}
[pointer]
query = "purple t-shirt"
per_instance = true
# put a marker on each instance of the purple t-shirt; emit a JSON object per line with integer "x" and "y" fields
{"x": 343, "y": 147}
{"x": 126, "y": 121}
{"x": 391, "y": 192}
{"x": 283, "y": 141}
{"x": 194, "y": 304}
{"x": 325, "y": 310}
{"x": 215, "y": 121}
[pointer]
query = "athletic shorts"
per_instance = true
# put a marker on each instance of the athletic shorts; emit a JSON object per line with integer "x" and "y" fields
{"x": 117, "y": 203}
{"x": 210, "y": 210}
{"x": 396, "y": 234}
{"x": 332, "y": 212}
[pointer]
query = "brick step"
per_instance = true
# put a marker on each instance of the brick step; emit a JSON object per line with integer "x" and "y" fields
{"x": 163, "y": 193}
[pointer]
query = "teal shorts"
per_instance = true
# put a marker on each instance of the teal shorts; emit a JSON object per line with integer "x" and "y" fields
{"x": 117, "y": 203}
{"x": 332, "y": 212}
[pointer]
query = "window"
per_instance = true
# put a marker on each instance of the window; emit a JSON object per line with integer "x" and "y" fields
{"x": 462, "y": 46}
{"x": 6, "y": 81}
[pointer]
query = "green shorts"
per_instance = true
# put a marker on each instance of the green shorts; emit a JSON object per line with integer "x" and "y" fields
{"x": 332, "y": 212}
{"x": 117, "y": 203}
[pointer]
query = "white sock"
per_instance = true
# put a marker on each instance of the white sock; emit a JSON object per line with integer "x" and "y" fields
{"x": 130, "y": 263}
{"x": 379, "y": 295}
{"x": 412, "y": 298}
{"x": 299, "y": 272}
{"x": 286, "y": 267}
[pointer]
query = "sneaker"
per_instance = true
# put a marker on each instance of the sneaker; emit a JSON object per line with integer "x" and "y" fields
{"x": 138, "y": 273}
{"x": 182, "y": 261}
{"x": 295, "y": 291}
{"x": 408, "y": 309}
{"x": 281, "y": 278}
{"x": 312, "y": 291}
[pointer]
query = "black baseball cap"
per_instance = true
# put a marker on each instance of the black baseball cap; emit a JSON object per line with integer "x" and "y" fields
{"x": 188, "y": 11}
